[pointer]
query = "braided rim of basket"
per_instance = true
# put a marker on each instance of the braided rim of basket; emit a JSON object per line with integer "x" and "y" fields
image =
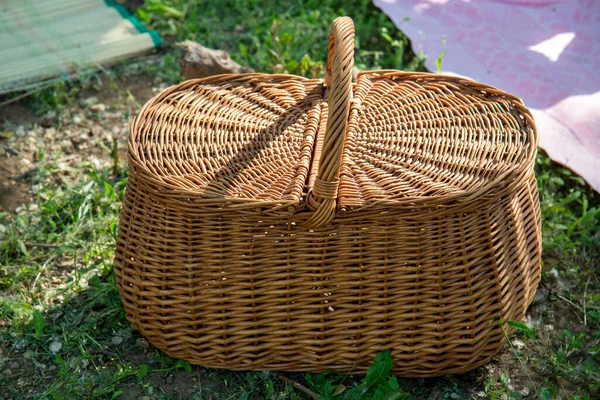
{"x": 340, "y": 61}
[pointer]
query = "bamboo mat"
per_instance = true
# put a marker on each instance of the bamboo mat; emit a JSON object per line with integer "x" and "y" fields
{"x": 45, "y": 39}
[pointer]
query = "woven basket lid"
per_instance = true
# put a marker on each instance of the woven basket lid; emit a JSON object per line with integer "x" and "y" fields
{"x": 285, "y": 144}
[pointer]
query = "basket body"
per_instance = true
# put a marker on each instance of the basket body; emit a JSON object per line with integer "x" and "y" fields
{"x": 244, "y": 244}
{"x": 256, "y": 293}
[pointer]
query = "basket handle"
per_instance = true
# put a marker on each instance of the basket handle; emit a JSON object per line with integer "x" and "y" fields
{"x": 340, "y": 61}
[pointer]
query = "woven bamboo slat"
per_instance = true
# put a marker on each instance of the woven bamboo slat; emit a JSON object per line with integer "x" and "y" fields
{"x": 46, "y": 40}
{"x": 277, "y": 222}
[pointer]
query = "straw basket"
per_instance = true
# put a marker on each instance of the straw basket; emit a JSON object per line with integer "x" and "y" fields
{"x": 277, "y": 222}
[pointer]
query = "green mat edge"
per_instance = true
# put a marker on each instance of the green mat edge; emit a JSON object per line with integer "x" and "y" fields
{"x": 156, "y": 39}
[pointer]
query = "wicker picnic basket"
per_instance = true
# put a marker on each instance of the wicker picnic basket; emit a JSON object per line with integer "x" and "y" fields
{"x": 277, "y": 222}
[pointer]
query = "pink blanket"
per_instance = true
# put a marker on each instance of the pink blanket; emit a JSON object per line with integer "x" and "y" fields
{"x": 545, "y": 51}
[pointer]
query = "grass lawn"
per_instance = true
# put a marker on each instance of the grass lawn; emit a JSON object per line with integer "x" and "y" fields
{"x": 63, "y": 332}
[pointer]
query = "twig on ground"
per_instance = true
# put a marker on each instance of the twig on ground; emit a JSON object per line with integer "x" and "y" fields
{"x": 115, "y": 155}
{"x": 572, "y": 304}
{"x": 300, "y": 387}
{"x": 42, "y": 245}
{"x": 69, "y": 158}
{"x": 569, "y": 301}
{"x": 584, "y": 296}
{"x": 104, "y": 352}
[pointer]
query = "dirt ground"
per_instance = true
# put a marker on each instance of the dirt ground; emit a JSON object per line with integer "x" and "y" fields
{"x": 85, "y": 129}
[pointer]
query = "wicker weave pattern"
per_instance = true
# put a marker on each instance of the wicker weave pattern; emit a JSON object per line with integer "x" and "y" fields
{"x": 215, "y": 140}
{"x": 459, "y": 140}
{"x": 275, "y": 222}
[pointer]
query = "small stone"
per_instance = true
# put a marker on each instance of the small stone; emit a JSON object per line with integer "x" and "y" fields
{"x": 83, "y": 283}
{"x": 77, "y": 120}
{"x": 170, "y": 378}
{"x": 518, "y": 344}
{"x": 143, "y": 343}
{"x": 20, "y": 344}
{"x": 55, "y": 347}
{"x": 29, "y": 355}
{"x": 523, "y": 392}
{"x": 50, "y": 115}
{"x": 98, "y": 107}
{"x": 96, "y": 130}
{"x": 146, "y": 398}
{"x": 531, "y": 323}
{"x": 62, "y": 166}
{"x": 116, "y": 340}
{"x": 456, "y": 396}
{"x": 7, "y": 372}
{"x": 89, "y": 101}
{"x": 84, "y": 364}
